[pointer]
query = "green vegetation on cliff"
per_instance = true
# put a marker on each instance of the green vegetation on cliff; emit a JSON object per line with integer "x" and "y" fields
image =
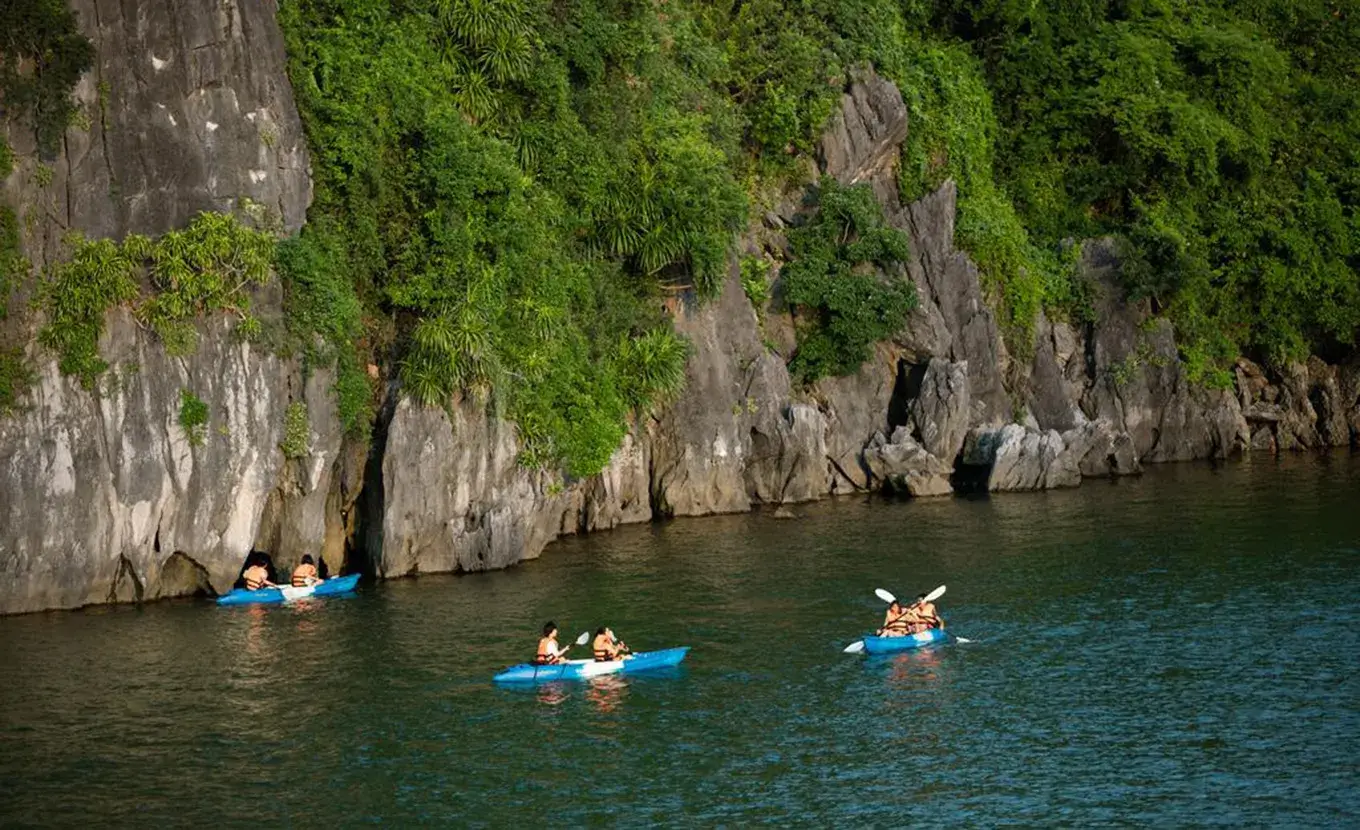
{"x": 507, "y": 190}
{"x": 505, "y": 186}
{"x": 1220, "y": 140}
{"x": 833, "y": 281}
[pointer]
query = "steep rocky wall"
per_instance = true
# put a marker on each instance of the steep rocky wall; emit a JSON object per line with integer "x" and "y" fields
{"x": 99, "y": 490}
{"x": 456, "y": 498}
{"x": 102, "y": 496}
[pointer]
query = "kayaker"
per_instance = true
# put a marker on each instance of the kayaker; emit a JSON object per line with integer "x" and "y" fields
{"x": 257, "y": 577}
{"x": 926, "y": 615}
{"x": 548, "y": 651}
{"x": 898, "y": 621}
{"x": 305, "y": 573}
{"x": 606, "y": 646}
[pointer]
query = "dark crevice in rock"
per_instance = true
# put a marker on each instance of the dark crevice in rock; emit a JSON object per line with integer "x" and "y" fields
{"x": 906, "y": 389}
{"x": 133, "y": 590}
{"x": 365, "y": 551}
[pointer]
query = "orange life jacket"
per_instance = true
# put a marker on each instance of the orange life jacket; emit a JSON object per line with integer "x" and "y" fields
{"x": 302, "y": 573}
{"x": 546, "y": 648}
{"x": 603, "y": 648}
{"x": 255, "y": 577}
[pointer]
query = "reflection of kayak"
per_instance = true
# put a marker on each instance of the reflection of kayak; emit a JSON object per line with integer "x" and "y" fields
{"x": 582, "y": 669}
{"x": 331, "y": 587}
{"x": 887, "y": 645}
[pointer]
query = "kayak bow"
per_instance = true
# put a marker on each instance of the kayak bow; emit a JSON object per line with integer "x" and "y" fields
{"x": 287, "y": 593}
{"x": 585, "y": 669}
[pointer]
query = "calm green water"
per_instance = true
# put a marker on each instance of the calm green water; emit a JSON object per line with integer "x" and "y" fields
{"x": 1177, "y": 649}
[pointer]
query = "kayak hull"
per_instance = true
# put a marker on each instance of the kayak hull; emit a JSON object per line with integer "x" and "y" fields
{"x": 889, "y": 645}
{"x": 269, "y": 596}
{"x": 586, "y": 669}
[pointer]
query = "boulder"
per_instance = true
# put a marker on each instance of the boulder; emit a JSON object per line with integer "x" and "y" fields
{"x": 787, "y": 461}
{"x": 902, "y": 466}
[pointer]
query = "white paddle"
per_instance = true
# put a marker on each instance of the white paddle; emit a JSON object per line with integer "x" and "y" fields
{"x": 857, "y": 646}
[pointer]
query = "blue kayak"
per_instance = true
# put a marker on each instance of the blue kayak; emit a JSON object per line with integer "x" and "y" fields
{"x": 888, "y": 645}
{"x": 585, "y": 669}
{"x": 329, "y": 588}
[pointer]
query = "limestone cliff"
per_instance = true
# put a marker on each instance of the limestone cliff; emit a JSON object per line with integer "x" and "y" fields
{"x": 104, "y": 497}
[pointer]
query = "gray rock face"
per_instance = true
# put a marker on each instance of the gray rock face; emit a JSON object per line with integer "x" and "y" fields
{"x": 1017, "y": 458}
{"x": 947, "y": 282}
{"x": 456, "y": 498}
{"x": 104, "y": 497}
{"x": 940, "y": 413}
{"x": 862, "y": 141}
{"x": 189, "y": 109}
{"x": 857, "y": 408}
{"x": 904, "y": 467}
{"x": 1137, "y": 383}
{"x": 701, "y": 443}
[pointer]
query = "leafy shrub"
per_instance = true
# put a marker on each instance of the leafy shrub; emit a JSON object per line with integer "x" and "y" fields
{"x": 755, "y": 281}
{"x": 205, "y": 267}
{"x": 193, "y": 417}
{"x": 42, "y": 55}
{"x": 15, "y": 378}
{"x": 836, "y": 284}
{"x": 297, "y": 431}
{"x": 75, "y": 296}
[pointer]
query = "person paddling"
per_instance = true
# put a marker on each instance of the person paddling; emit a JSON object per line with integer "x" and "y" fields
{"x": 305, "y": 573}
{"x": 924, "y": 614}
{"x": 548, "y": 650}
{"x": 898, "y": 621}
{"x": 607, "y": 647}
{"x": 257, "y": 577}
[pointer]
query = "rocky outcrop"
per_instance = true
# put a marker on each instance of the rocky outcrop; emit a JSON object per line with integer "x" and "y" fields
{"x": 939, "y": 412}
{"x": 457, "y": 499}
{"x": 104, "y": 496}
{"x": 1301, "y": 406}
{"x": 1019, "y": 458}
{"x": 903, "y": 467}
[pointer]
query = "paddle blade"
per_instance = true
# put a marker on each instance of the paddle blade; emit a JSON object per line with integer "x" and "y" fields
{"x": 854, "y": 648}
{"x": 884, "y": 595}
{"x": 962, "y": 640}
{"x": 585, "y": 635}
{"x": 935, "y": 594}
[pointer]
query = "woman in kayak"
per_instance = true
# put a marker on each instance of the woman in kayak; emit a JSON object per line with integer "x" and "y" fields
{"x": 257, "y": 577}
{"x": 924, "y": 615}
{"x": 606, "y": 647}
{"x": 305, "y": 573}
{"x": 897, "y": 623}
{"x": 548, "y": 651}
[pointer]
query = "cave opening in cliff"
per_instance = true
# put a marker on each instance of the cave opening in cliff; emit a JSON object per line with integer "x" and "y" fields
{"x": 906, "y": 389}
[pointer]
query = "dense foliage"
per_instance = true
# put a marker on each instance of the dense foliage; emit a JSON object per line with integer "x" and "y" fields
{"x": 845, "y": 282}
{"x": 42, "y": 55}
{"x": 506, "y": 189}
{"x": 205, "y": 267}
{"x": 1220, "y": 140}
